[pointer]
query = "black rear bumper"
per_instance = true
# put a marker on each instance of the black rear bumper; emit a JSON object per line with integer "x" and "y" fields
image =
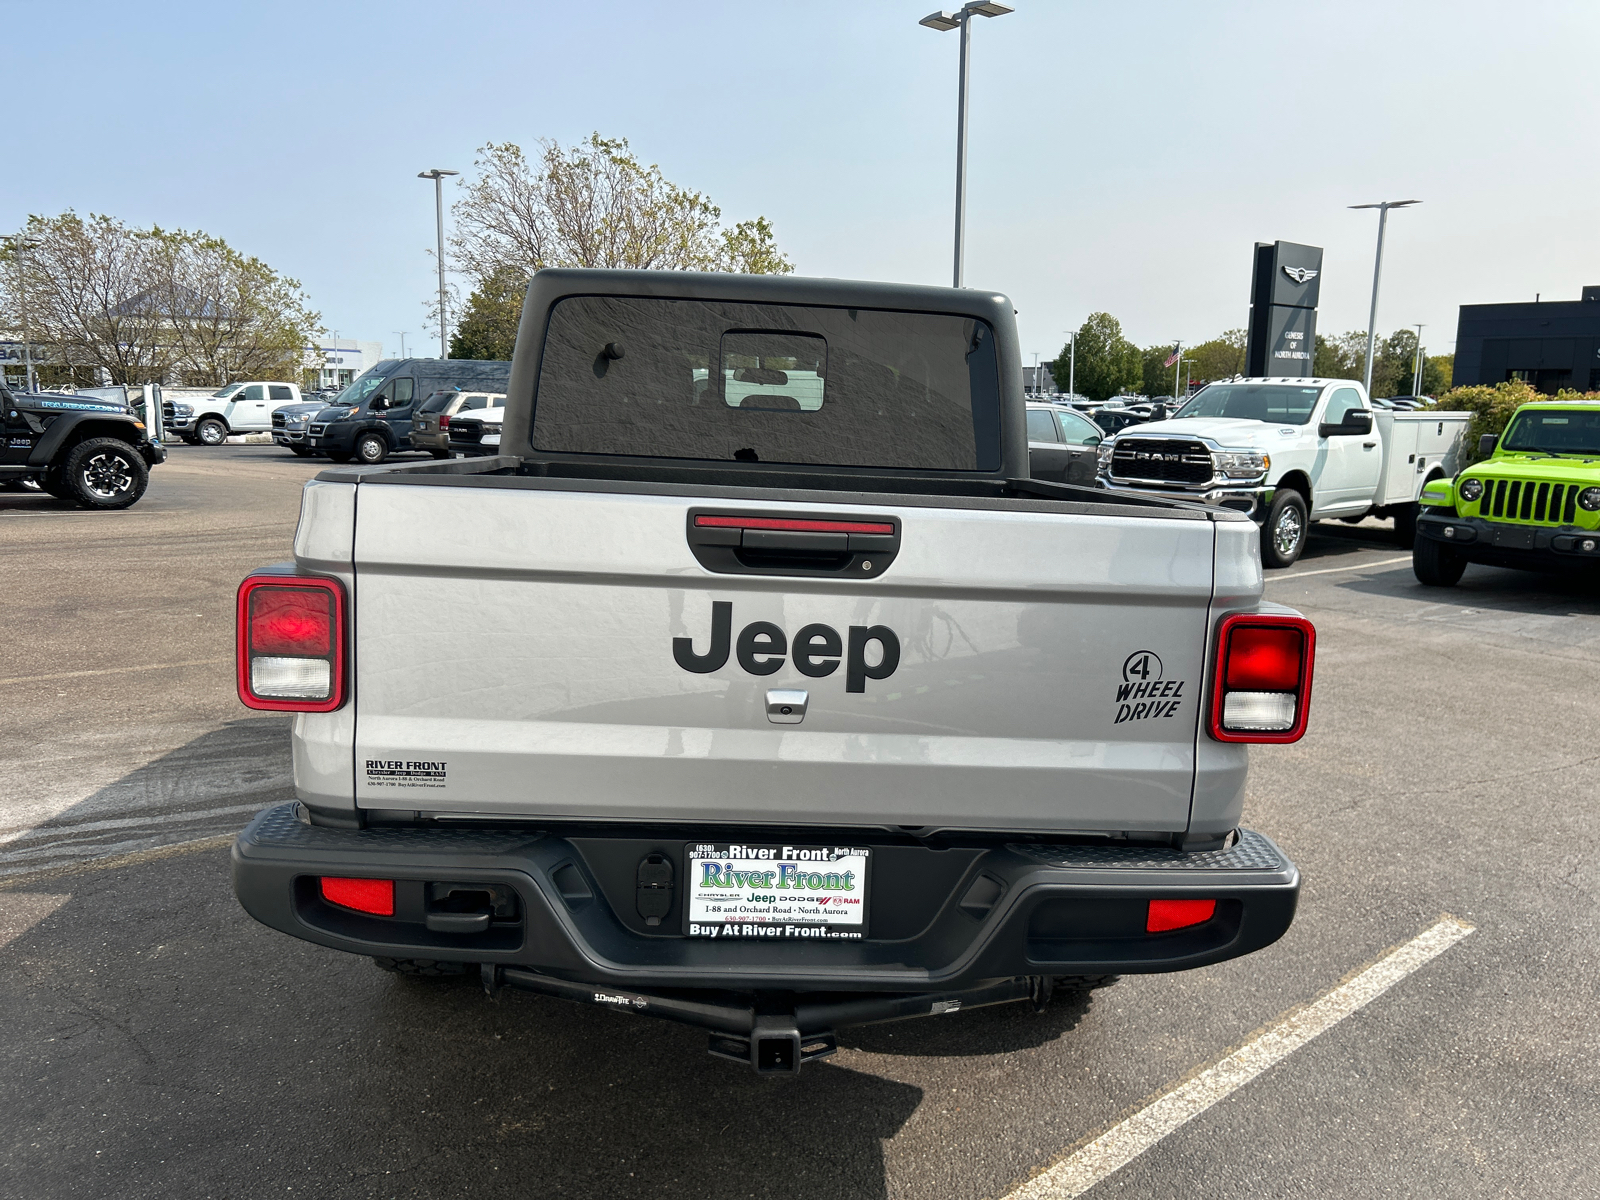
{"x": 941, "y": 919}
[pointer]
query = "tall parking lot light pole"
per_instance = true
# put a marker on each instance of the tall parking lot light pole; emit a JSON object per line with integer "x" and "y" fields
{"x": 1383, "y": 207}
{"x": 1416, "y": 367}
{"x": 437, "y": 176}
{"x": 961, "y": 19}
{"x": 20, "y": 245}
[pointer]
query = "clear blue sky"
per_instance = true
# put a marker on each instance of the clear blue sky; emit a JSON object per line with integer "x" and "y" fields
{"x": 1123, "y": 157}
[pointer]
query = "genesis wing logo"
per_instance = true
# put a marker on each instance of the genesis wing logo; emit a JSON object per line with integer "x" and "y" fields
{"x": 1300, "y": 274}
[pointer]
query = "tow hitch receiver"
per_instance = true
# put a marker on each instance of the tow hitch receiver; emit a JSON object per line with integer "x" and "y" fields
{"x": 775, "y": 1046}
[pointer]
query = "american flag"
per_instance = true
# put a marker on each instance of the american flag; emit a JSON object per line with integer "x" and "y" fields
{"x": 1171, "y": 358}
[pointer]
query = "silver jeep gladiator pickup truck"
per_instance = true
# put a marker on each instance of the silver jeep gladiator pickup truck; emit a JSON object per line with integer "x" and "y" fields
{"x": 782, "y": 699}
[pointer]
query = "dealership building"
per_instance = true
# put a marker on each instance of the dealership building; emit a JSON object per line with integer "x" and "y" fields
{"x": 1552, "y": 344}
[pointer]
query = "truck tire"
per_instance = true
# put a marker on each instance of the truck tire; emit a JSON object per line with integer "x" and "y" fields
{"x": 211, "y": 432}
{"x": 371, "y": 449}
{"x": 421, "y": 968}
{"x": 1435, "y": 565}
{"x": 1283, "y": 533}
{"x": 104, "y": 473}
{"x": 1405, "y": 525}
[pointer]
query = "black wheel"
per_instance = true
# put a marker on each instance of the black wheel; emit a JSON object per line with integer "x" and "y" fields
{"x": 440, "y": 453}
{"x": 422, "y": 968}
{"x": 211, "y": 432}
{"x": 104, "y": 473}
{"x": 339, "y": 456}
{"x": 1283, "y": 533}
{"x": 302, "y": 452}
{"x": 371, "y": 449}
{"x": 1405, "y": 525}
{"x": 1435, "y": 565}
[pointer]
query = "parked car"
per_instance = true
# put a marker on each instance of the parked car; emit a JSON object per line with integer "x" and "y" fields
{"x": 430, "y": 427}
{"x": 91, "y": 451}
{"x": 1532, "y": 504}
{"x": 291, "y": 426}
{"x": 1061, "y": 444}
{"x": 237, "y": 408}
{"x": 371, "y": 419}
{"x": 477, "y": 433}
{"x": 1405, "y": 403}
{"x": 771, "y": 720}
{"x": 1288, "y": 452}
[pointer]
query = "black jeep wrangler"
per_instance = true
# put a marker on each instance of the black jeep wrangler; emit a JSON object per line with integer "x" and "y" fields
{"x": 83, "y": 449}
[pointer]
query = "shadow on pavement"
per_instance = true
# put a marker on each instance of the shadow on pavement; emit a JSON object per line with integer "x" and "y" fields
{"x": 207, "y": 786}
{"x": 999, "y": 1029}
{"x": 160, "y": 1043}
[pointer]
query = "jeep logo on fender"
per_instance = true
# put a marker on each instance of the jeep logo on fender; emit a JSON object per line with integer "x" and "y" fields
{"x": 817, "y": 649}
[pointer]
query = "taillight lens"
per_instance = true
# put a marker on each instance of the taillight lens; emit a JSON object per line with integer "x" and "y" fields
{"x": 291, "y": 643}
{"x": 375, "y": 896}
{"x": 1263, "y": 678}
{"x": 444, "y": 421}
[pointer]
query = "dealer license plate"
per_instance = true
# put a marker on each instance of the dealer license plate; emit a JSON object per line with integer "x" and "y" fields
{"x": 783, "y": 892}
{"x": 491, "y": 439}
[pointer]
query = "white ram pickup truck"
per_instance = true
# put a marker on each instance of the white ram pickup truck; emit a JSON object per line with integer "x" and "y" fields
{"x": 237, "y": 408}
{"x": 1288, "y": 452}
{"x": 788, "y": 703}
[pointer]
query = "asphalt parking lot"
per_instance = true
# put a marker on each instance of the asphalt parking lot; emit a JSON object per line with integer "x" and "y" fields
{"x": 157, "y": 1042}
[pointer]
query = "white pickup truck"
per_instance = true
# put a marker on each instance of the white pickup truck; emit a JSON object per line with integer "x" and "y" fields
{"x": 789, "y": 702}
{"x": 237, "y": 408}
{"x": 1288, "y": 452}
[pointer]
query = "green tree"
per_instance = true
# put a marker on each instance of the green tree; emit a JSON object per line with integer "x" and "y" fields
{"x": 488, "y": 325}
{"x": 1340, "y": 356}
{"x": 1220, "y": 358}
{"x": 1438, "y": 370}
{"x": 1107, "y": 362}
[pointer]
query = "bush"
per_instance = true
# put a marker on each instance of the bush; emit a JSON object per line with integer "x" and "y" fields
{"x": 1493, "y": 407}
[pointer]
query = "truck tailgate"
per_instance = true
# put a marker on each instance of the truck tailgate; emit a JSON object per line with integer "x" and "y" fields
{"x": 514, "y": 656}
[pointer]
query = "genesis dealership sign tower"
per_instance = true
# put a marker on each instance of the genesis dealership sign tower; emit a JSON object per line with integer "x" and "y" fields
{"x": 1283, "y": 309}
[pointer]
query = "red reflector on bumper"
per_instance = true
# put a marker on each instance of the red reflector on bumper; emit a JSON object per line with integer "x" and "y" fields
{"x": 375, "y": 896}
{"x": 1178, "y": 914}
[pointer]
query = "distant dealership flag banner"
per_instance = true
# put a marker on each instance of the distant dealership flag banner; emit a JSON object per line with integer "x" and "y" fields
{"x": 1171, "y": 358}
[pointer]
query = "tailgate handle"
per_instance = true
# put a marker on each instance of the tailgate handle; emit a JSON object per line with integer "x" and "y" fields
{"x": 754, "y": 543}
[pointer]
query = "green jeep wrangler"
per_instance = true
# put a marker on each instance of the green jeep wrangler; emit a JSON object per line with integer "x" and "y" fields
{"x": 1534, "y": 503}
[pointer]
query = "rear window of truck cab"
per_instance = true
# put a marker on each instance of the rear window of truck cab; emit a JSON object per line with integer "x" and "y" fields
{"x": 772, "y": 383}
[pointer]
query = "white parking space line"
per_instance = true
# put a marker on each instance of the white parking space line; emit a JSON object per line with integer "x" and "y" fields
{"x": 1361, "y": 566}
{"x": 193, "y": 662}
{"x": 1124, "y": 1142}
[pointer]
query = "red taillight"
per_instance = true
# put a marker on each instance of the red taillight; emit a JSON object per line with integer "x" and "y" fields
{"x": 1178, "y": 914}
{"x": 1262, "y": 687}
{"x": 375, "y": 896}
{"x": 796, "y": 525}
{"x": 444, "y": 421}
{"x": 291, "y": 643}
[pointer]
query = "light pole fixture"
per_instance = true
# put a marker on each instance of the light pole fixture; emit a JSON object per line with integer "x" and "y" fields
{"x": 20, "y": 245}
{"x": 402, "y": 335}
{"x": 437, "y": 176}
{"x": 1416, "y": 370}
{"x": 1383, "y": 207}
{"x": 944, "y": 21}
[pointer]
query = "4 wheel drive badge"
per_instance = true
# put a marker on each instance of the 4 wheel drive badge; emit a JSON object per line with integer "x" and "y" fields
{"x": 1300, "y": 274}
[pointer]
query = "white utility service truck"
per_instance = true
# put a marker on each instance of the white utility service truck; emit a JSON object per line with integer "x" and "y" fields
{"x": 1288, "y": 452}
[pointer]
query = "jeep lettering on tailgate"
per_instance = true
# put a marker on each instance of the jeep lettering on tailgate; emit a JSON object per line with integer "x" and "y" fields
{"x": 817, "y": 648}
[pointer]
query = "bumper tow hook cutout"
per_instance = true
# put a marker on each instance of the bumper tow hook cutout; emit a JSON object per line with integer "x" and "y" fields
{"x": 654, "y": 893}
